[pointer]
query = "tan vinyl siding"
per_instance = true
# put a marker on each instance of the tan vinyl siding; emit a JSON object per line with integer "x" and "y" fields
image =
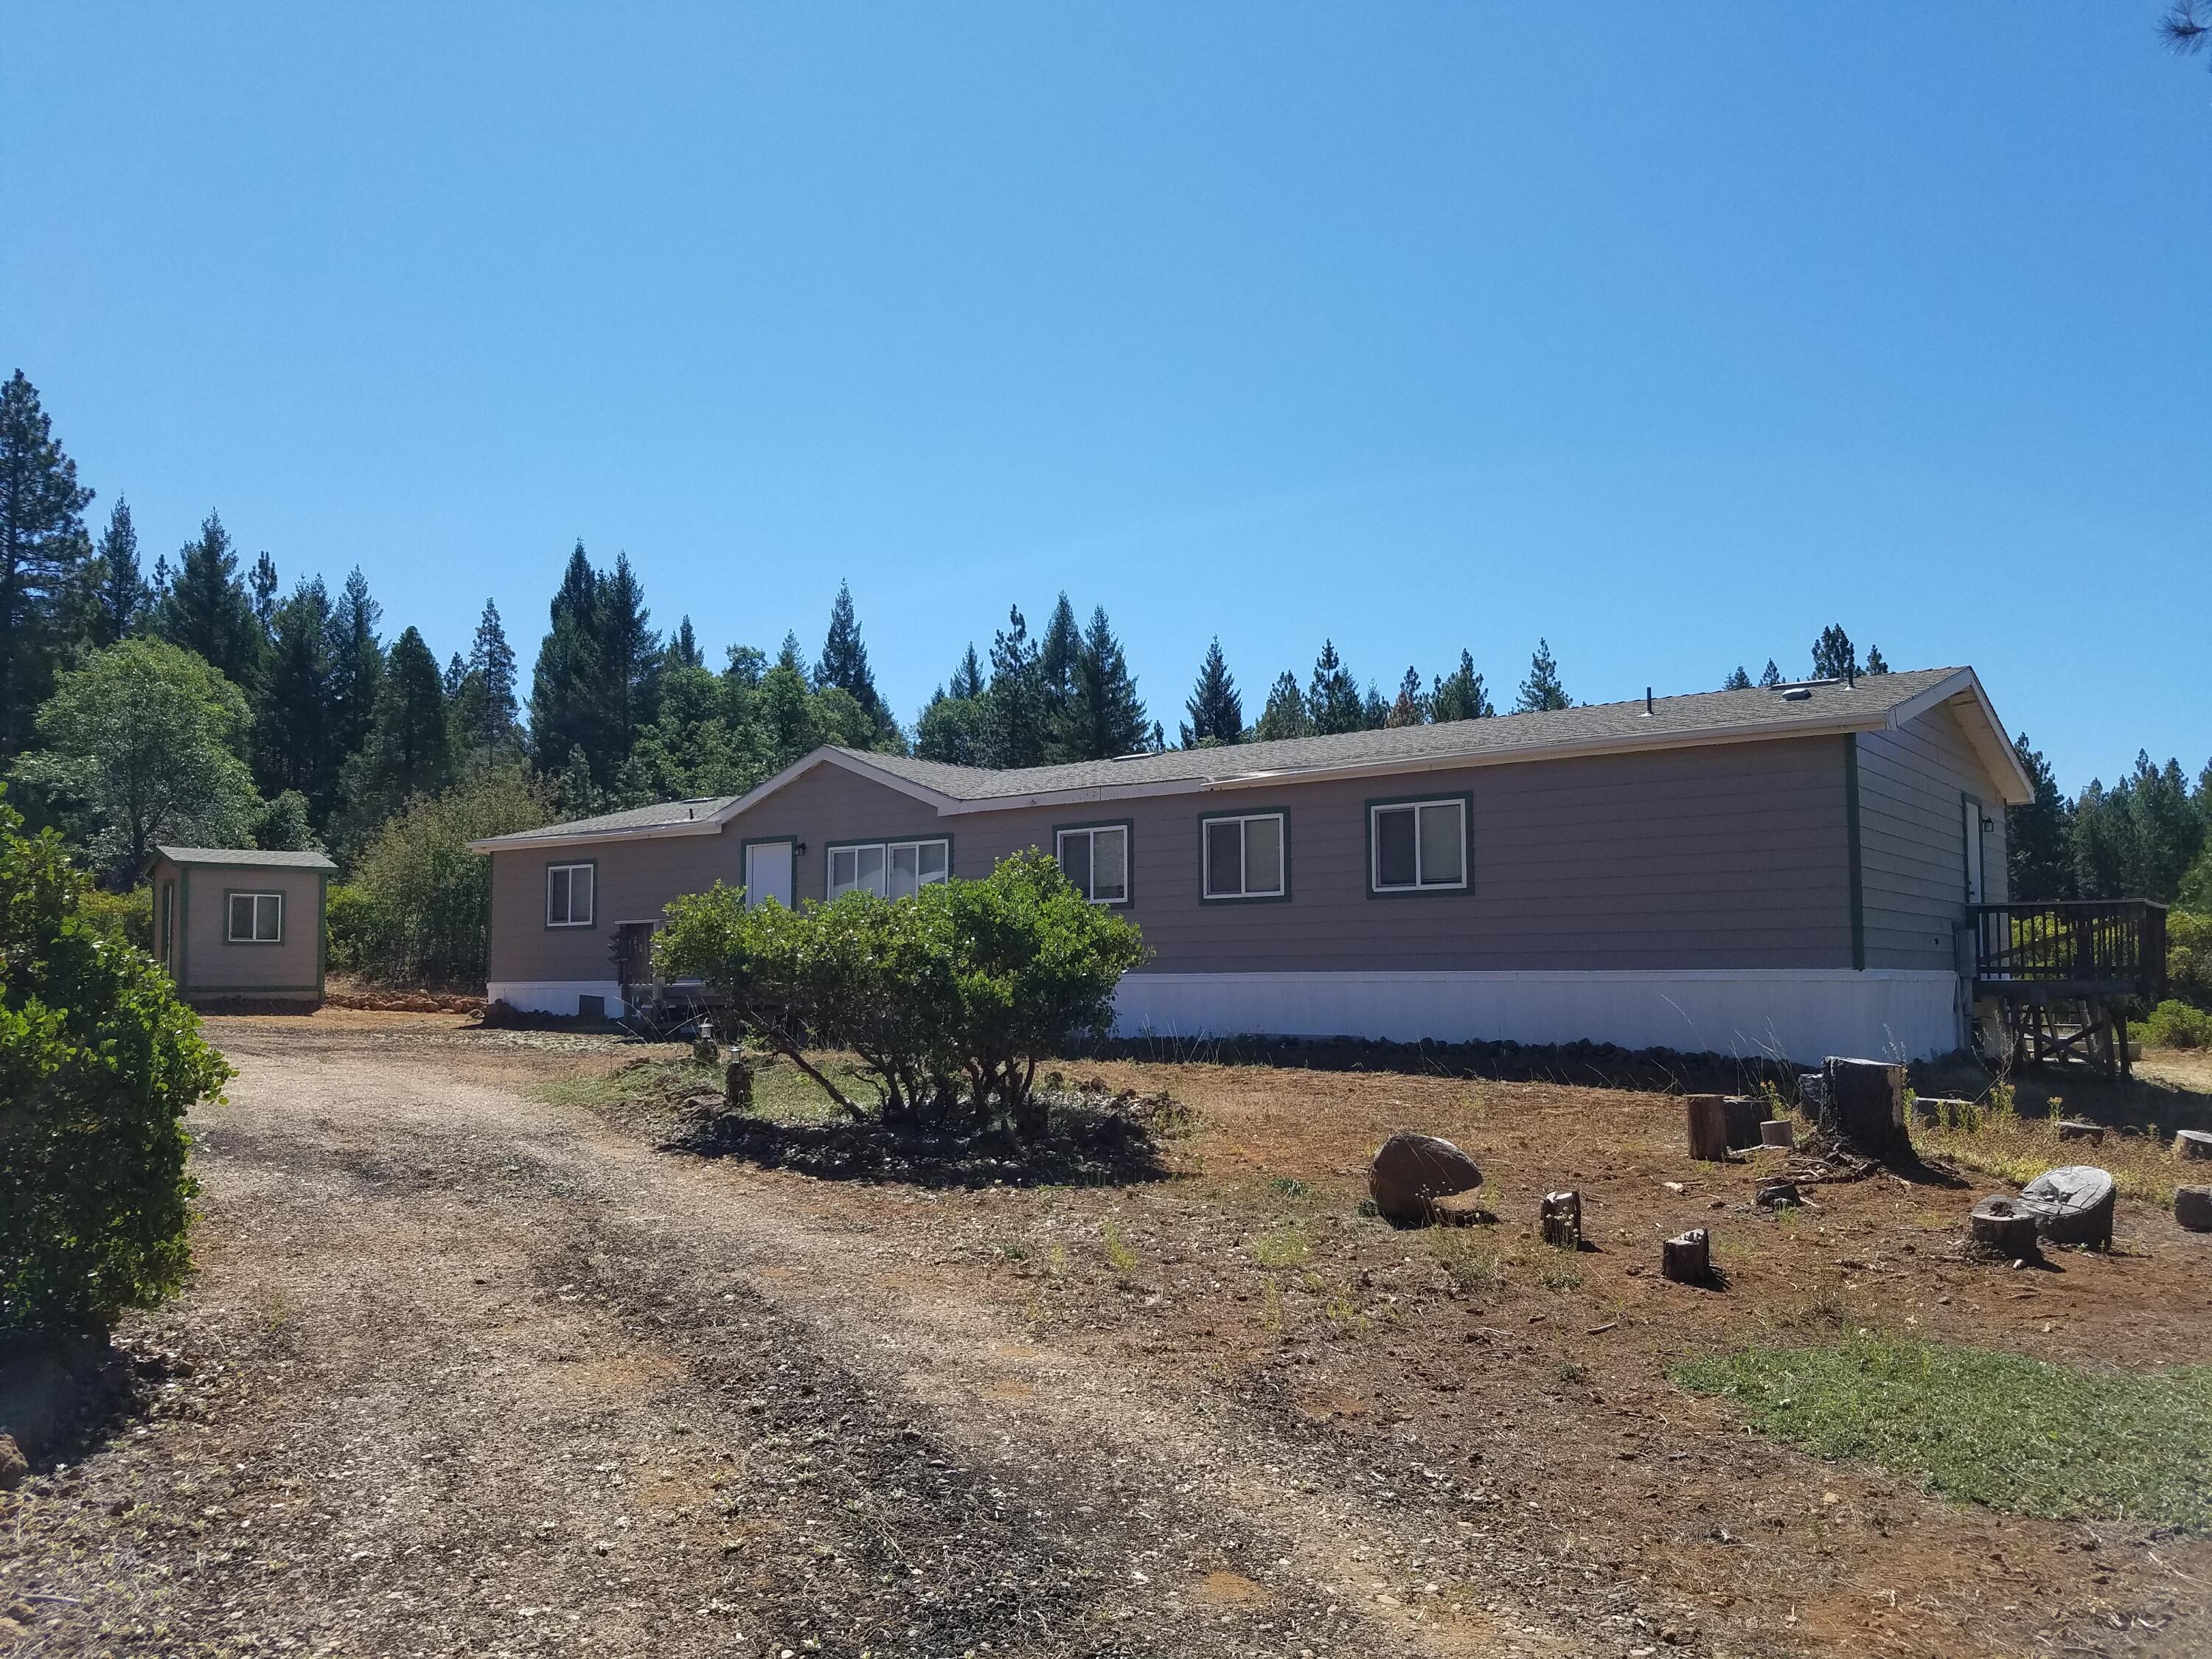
{"x": 213, "y": 965}
{"x": 1912, "y": 848}
{"x": 1726, "y": 856}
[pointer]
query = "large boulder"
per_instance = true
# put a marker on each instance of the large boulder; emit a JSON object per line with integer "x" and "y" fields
{"x": 1412, "y": 1172}
{"x": 2074, "y": 1202}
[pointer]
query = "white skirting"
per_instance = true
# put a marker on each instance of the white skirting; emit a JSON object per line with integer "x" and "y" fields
{"x": 1800, "y": 1014}
{"x": 553, "y": 996}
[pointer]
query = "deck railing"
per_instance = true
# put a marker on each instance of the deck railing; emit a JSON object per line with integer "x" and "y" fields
{"x": 2072, "y": 948}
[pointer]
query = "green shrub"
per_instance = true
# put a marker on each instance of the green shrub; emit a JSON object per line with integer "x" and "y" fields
{"x": 129, "y": 914}
{"x": 423, "y": 916}
{"x": 2176, "y": 1025}
{"x": 349, "y": 913}
{"x": 98, "y": 1062}
{"x": 952, "y": 994}
{"x": 2188, "y": 956}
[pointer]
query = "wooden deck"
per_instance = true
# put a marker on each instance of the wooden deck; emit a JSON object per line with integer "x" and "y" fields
{"x": 2066, "y": 971}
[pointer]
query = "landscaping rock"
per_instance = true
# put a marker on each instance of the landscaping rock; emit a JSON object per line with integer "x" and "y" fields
{"x": 13, "y": 1466}
{"x": 2192, "y": 1208}
{"x": 2192, "y": 1142}
{"x": 1412, "y": 1170}
{"x": 1778, "y": 1194}
{"x": 2074, "y": 1129}
{"x": 2074, "y": 1203}
{"x": 2007, "y": 1227}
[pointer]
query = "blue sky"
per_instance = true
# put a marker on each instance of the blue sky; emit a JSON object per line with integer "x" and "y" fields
{"x": 1670, "y": 334}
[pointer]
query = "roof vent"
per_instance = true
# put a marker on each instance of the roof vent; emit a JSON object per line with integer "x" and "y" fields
{"x": 1798, "y": 694}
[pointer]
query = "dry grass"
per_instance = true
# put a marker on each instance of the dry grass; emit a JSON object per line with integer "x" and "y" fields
{"x": 2017, "y": 1149}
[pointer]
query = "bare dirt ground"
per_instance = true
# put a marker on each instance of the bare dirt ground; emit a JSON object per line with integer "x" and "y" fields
{"x": 467, "y": 1372}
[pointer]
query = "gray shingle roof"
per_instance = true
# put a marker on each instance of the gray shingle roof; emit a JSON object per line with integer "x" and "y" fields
{"x": 659, "y": 815}
{"x": 1700, "y": 714}
{"x": 245, "y": 857}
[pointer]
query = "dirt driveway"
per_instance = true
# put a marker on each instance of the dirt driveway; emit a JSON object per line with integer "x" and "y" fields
{"x": 465, "y": 1372}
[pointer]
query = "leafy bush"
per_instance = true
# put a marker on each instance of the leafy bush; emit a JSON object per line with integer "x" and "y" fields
{"x": 965, "y": 982}
{"x": 2188, "y": 956}
{"x": 129, "y": 915}
{"x": 98, "y": 1062}
{"x": 2176, "y": 1024}
{"x": 348, "y": 913}
{"x": 423, "y": 913}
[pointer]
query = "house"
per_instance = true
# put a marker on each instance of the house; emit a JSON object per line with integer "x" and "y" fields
{"x": 1781, "y": 870}
{"x": 236, "y": 922}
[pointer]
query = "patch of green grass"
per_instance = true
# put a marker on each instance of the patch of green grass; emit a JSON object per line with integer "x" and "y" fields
{"x": 645, "y": 1082}
{"x": 1561, "y": 1273}
{"x": 2002, "y": 1430}
{"x": 1288, "y": 1187}
{"x": 1119, "y": 1256}
{"x": 1471, "y": 1267}
{"x": 1287, "y": 1247}
{"x": 2017, "y": 1149}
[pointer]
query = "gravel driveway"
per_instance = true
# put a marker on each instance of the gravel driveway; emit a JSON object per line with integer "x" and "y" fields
{"x": 470, "y": 1373}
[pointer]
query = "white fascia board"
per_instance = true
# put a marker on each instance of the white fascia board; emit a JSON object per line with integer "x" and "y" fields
{"x": 1983, "y": 730}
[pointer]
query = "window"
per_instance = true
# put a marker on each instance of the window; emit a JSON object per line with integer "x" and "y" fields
{"x": 568, "y": 894}
{"x": 257, "y": 918}
{"x": 1418, "y": 846}
{"x": 1242, "y": 858}
{"x": 1096, "y": 858}
{"x": 889, "y": 869}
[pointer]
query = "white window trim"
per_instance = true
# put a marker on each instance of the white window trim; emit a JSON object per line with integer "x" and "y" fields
{"x": 886, "y": 847}
{"x": 1374, "y": 883}
{"x": 1059, "y": 839}
{"x": 1243, "y": 821}
{"x": 591, "y": 914}
{"x": 232, "y": 936}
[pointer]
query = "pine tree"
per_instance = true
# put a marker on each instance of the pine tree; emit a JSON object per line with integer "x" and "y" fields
{"x": 1217, "y": 713}
{"x": 1374, "y": 709}
{"x": 1106, "y": 718}
{"x": 295, "y": 745}
{"x": 2167, "y": 833}
{"x": 1333, "y": 701}
{"x": 967, "y": 682}
{"x": 410, "y": 752}
{"x": 2038, "y": 857}
{"x": 791, "y": 654}
{"x": 742, "y": 667}
{"x": 1017, "y": 696}
{"x": 1770, "y": 676}
{"x": 1542, "y": 690}
{"x": 1834, "y": 657}
{"x": 568, "y": 711}
{"x": 456, "y": 678}
{"x": 844, "y": 661}
{"x": 2100, "y": 842}
{"x": 263, "y": 585}
{"x": 683, "y": 647}
{"x": 1738, "y": 680}
{"x": 488, "y": 713}
{"x": 209, "y": 611}
{"x": 43, "y": 550}
{"x": 629, "y": 651}
{"x": 1285, "y": 715}
{"x": 356, "y": 663}
{"x": 119, "y": 594}
{"x": 580, "y": 796}
{"x": 1059, "y": 658}
{"x": 1875, "y": 665}
{"x": 1461, "y": 695}
{"x": 1411, "y": 706}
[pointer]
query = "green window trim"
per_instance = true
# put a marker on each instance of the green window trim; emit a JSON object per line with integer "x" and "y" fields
{"x": 1851, "y": 839}
{"x": 1464, "y": 886}
{"x": 1282, "y": 816}
{"x": 1128, "y": 828}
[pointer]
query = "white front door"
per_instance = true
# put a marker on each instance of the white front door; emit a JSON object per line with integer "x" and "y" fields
{"x": 1973, "y": 816}
{"x": 768, "y": 872}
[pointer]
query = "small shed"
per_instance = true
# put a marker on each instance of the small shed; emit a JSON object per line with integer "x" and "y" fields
{"x": 233, "y": 922}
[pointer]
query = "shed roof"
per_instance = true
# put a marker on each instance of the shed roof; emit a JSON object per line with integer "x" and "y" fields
{"x": 1804, "y": 708}
{"x": 244, "y": 858}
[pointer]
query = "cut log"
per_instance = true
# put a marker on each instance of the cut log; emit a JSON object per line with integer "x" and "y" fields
{"x": 737, "y": 1084}
{"x": 1708, "y": 1120}
{"x": 2074, "y": 1129}
{"x": 1410, "y": 1169}
{"x": 2192, "y": 1142}
{"x": 2074, "y": 1203}
{"x": 1687, "y": 1260}
{"x": 1778, "y": 1132}
{"x": 2192, "y": 1208}
{"x": 2006, "y": 1226}
{"x": 1743, "y": 1116}
{"x": 1865, "y": 1108}
{"x": 1561, "y": 1217}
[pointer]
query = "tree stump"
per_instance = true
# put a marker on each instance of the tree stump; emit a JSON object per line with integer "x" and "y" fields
{"x": 2192, "y": 1142}
{"x": 1708, "y": 1120}
{"x": 1778, "y": 1195}
{"x": 2074, "y": 1129}
{"x": 1865, "y": 1108}
{"x": 1778, "y": 1132}
{"x": 2192, "y": 1208}
{"x": 2007, "y": 1227}
{"x": 737, "y": 1084}
{"x": 1687, "y": 1260}
{"x": 2074, "y": 1203}
{"x": 1561, "y": 1216}
{"x": 1742, "y": 1115}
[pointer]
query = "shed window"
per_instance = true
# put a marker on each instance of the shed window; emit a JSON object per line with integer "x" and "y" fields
{"x": 257, "y": 918}
{"x": 1418, "y": 846}
{"x": 889, "y": 869}
{"x": 1096, "y": 860}
{"x": 569, "y": 895}
{"x": 1243, "y": 857}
